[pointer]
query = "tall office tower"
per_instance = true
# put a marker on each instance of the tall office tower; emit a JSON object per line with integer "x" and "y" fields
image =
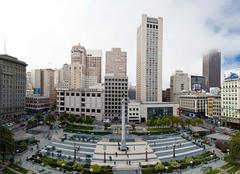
{"x": 116, "y": 62}
{"x": 116, "y": 88}
{"x": 29, "y": 80}
{"x": 94, "y": 67}
{"x": 44, "y": 84}
{"x": 12, "y": 87}
{"x": 212, "y": 69}
{"x": 179, "y": 82}
{"x": 166, "y": 95}
{"x": 56, "y": 76}
{"x": 230, "y": 97}
{"x": 116, "y": 83}
{"x": 64, "y": 76}
{"x": 149, "y": 59}
{"x": 78, "y": 67}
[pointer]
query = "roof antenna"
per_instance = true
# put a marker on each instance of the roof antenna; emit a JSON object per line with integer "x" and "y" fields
{"x": 5, "y": 47}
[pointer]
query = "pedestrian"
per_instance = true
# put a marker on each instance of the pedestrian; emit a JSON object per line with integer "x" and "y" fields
{"x": 116, "y": 154}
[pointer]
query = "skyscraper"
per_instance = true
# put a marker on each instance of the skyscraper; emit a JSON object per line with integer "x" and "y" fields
{"x": 178, "y": 83}
{"x": 44, "y": 84}
{"x": 149, "y": 59}
{"x": 116, "y": 62}
{"x": 212, "y": 69}
{"x": 116, "y": 82}
{"x": 94, "y": 67}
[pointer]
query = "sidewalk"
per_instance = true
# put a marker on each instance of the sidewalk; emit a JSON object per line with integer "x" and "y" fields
{"x": 214, "y": 165}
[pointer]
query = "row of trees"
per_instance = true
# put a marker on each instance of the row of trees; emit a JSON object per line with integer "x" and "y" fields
{"x": 63, "y": 118}
{"x": 234, "y": 148}
{"x": 173, "y": 121}
{"x": 7, "y": 144}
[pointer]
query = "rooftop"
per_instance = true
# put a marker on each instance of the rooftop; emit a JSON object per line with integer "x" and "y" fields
{"x": 12, "y": 59}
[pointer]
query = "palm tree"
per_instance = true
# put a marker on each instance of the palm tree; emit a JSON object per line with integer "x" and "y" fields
{"x": 198, "y": 121}
{"x": 7, "y": 145}
{"x": 235, "y": 147}
{"x": 188, "y": 122}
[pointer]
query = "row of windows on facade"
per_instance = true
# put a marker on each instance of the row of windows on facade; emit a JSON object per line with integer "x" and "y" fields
{"x": 115, "y": 80}
{"x": 82, "y": 94}
{"x": 232, "y": 98}
{"x": 152, "y": 26}
{"x": 82, "y": 110}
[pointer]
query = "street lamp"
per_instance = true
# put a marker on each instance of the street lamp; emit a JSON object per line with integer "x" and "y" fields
{"x": 146, "y": 148}
{"x": 104, "y": 154}
{"x": 75, "y": 151}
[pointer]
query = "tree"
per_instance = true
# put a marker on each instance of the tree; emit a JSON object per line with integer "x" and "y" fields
{"x": 72, "y": 118}
{"x": 198, "y": 121}
{"x": 77, "y": 166}
{"x": 38, "y": 117}
{"x": 133, "y": 125}
{"x": 31, "y": 123}
{"x": 96, "y": 168}
{"x": 235, "y": 147}
{"x": 159, "y": 167}
{"x": 50, "y": 118}
{"x": 166, "y": 121}
{"x": 159, "y": 122}
{"x": 7, "y": 145}
{"x": 63, "y": 117}
{"x": 188, "y": 122}
{"x": 175, "y": 121}
{"x": 174, "y": 164}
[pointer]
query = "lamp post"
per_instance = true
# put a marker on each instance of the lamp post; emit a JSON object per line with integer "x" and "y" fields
{"x": 75, "y": 151}
{"x": 146, "y": 148}
{"x": 104, "y": 154}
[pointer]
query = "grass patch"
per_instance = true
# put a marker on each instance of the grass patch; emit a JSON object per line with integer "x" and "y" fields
{"x": 214, "y": 171}
{"x": 78, "y": 127}
{"x": 8, "y": 171}
{"x": 161, "y": 130}
{"x": 233, "y": 170}
{"x": 18, "y": 168}
{"x": 226, "y": 166}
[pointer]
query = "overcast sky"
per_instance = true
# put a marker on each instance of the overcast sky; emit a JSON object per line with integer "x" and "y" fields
{"x": 42, "y": 32}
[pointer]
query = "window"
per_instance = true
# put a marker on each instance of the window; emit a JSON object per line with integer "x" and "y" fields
{"x": 67, "y": 94}
{"x": 98, "y": 110}
{"x": 93, "y": 94}
{"x": 72, "y": 94}
{"x": 77, "y": 94}
{"x": 98, "y": 95}
{"x": 88, "y": 94}
{"x": 77, "y": 109}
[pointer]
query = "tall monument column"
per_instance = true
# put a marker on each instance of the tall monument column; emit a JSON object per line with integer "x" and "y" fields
{"x": 123, "y": 145}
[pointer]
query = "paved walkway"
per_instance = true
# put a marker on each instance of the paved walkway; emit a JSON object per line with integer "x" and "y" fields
{"x": 197, "y": 170}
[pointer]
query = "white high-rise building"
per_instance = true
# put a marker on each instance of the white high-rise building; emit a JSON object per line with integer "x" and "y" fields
{"x": 179, "y": 82}
{"x": 78, "y": 67}
{"x": 149, "y": 59}
{"x": 94, "y": 67}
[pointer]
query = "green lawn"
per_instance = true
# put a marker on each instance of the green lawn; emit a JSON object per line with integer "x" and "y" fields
{"x": 18, "y": 168}
{"x": 214, "y": 171}
{"x": 234, "y": 170}
{"x": 160, "y": 130}
{"x": 7, "y": 171}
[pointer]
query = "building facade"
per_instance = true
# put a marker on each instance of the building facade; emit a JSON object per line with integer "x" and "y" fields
{"x": 213, "y": 108}
{"x": 116, "y": 88}
{"x": 212, "y": 69}
{"x": 193, "y": 104}
{"x": 166, "y": 95}
{"x": 12, "y": 87}
{"x": 37, "y": 103}
{"x": 178, "y": 82}
{"x": 44, "y": 84}
{"x": 116, "y": 62}
{"x": 140, "y": 112}
{"x": 230, "y": 94}
{"x": 197, "y": 83}
{"x": 94, "y": 67}
{"x": 149, "y": 59}
{"x": 88, "y": 102}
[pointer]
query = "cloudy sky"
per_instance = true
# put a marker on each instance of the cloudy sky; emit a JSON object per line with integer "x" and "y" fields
{"x": 43, "y": 32}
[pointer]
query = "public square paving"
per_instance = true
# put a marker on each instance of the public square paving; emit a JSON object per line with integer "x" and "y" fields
{"x": 159, "y": 148}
